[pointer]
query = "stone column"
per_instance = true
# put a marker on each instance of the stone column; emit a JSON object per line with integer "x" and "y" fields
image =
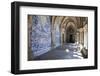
{"x": 30, "y": 56}
{"x": 52, "y": 36}
{"x": 77, "y": 37}
{"x": 86, "y": 37}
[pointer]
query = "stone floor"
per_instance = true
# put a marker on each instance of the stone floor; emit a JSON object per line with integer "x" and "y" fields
{"x": 67, "y": 51}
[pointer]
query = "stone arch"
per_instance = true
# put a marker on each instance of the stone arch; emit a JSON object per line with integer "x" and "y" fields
{"x": 56, "y": 31}
{"x": 72, "y": 21}
{"x": 70, "y": 32}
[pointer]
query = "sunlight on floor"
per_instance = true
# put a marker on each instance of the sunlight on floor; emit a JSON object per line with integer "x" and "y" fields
{"x": 67, "y": 50}
{"x": 78, "y": 56}
{"x": 77, "y": 53}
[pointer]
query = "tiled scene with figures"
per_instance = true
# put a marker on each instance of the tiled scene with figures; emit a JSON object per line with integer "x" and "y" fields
{"x": 57, "y": 37}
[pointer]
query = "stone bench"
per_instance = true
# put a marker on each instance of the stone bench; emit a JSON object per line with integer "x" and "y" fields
{"x": 84, "y": 52}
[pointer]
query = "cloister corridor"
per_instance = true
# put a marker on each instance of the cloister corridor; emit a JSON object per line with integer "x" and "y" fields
{"x": 57, "y": 37}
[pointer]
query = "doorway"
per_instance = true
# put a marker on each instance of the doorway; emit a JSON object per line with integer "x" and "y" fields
{"x": 71, "y": 38}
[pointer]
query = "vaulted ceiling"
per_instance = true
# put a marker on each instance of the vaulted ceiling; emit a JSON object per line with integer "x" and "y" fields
{"x": 63, "y": 21}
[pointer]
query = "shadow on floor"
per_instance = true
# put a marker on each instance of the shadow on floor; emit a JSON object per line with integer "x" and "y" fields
{"x": 68, "y": 51}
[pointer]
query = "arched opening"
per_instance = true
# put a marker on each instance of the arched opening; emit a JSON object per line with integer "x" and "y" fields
{"x": 70, "y": 32}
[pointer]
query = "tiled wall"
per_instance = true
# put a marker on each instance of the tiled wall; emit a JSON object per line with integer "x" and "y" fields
{"x": 41, "y": 35}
